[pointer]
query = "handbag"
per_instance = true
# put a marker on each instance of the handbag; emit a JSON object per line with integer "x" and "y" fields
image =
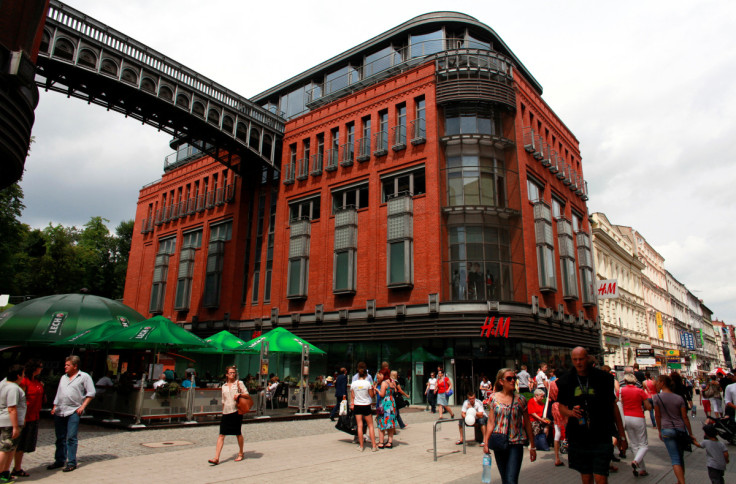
{"x": 245, "y": 402}
{"x": 499, "y": 441}
{"x": 400, "y": 402}
{"x": 449, "y": 393}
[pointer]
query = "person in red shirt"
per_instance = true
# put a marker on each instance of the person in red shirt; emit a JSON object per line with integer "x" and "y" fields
{"x": 535, "y": 407}
{"x": 634, "y": 400}
{"x": 34, "y": 399}
{"x": 443, "y": 386}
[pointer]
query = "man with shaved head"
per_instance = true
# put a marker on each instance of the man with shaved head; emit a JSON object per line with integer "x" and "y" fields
{"x": 587, "y": 400}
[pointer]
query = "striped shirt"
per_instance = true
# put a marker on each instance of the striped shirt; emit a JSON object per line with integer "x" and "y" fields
{"x": 501, "y": 415}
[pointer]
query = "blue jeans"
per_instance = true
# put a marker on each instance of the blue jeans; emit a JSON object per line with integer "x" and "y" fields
{"x": 674, "y": 450}
{"x": 66, "y": 438}
{"x": 651, "y": 413}
{"x": 509, "y": 463}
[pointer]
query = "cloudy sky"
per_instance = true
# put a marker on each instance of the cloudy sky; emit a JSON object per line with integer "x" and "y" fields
{"x": 646, "y": 86}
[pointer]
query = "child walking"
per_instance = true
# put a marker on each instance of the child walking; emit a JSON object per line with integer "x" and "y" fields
{"x": 717, "y": 454}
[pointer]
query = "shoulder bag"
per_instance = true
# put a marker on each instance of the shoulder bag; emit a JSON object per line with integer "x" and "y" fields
{"x": 245, "y": 402}
{"x": 684, "y": 442}
{"x": 499, "y": 441}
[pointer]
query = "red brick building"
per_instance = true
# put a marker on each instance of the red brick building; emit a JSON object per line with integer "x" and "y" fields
{"x": 424, "y": 189}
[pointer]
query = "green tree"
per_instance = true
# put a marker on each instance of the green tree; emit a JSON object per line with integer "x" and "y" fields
{"x": 124, "y": 233}
{"x": 12, "y": 233}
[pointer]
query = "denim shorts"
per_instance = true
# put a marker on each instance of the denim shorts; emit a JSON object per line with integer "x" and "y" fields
{"x": 670, "y": 442}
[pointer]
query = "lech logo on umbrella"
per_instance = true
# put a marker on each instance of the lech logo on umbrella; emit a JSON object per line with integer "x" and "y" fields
{"x": 123, "y": 321}
{"x": 143, "y": 332}
{"x": 57, "y": 320}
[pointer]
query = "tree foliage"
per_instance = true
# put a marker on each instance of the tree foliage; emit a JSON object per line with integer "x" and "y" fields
{"x": 58, "y": 259}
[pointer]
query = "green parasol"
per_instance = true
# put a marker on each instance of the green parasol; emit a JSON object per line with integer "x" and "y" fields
{"x": 156, "y": 332}
{"x": 95, "y": 336}
{"x": 281, "y": 340}
{"x": 49, "y": 319}
{"x": 224, "y": 343}
{"x": 418, "y": 354}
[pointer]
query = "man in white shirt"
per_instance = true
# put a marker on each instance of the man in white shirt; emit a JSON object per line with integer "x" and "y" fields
{"x": 160, "y": 382}
{"x": 481, "y": 418}
{"x": 12, "y": 418}
{"x": 542, "y": 380}
{"x": 523, "y": 378}
{"x": 75, "y": 392}
{"x": 729, "y": 400}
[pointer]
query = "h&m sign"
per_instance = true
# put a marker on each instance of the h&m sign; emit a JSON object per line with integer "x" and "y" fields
{"x": 495, "y": 328}
{"x": 607, "y": 289}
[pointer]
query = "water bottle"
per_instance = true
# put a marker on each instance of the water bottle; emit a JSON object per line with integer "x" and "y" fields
{"x": 486, "y": 478}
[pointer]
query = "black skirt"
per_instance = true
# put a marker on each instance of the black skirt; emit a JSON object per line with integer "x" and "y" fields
{"x": 231, "y": 424}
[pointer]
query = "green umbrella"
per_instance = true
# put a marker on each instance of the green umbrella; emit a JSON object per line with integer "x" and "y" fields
{"x": 48, "y": 319}
{"x": 419, "y": 354}
{"x": 95, "y": 336}
{"x": 223, "y": 342}
{"x": 281, "y": 340}
{"x": 156, "y": 332}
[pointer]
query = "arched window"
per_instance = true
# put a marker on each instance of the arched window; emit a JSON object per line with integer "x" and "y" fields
{"x": 182, "y": 101}
{"x": 267, "y": 147}
{"x": 227, "y": 124}
{"x": 87, "y": 58}
{"x": 130, "y": 76}
{"x": 148, "y": 85}
{"x": 198, "y": 109}
{"x": 213, "y": 117}
{"x": 242, "y": 132}
{"x": 109, "y": 67}
{"x": 45, "y": 41}
{"x": 166, "y": 93}
{"x": 255, "y": 138}
{"x": 64, "y": 49}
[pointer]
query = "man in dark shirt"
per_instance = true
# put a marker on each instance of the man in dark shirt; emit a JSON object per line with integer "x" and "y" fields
{"x": 640, "y": 377}
{"x": 586, "y": 398}
{"x": 341, "y": 390}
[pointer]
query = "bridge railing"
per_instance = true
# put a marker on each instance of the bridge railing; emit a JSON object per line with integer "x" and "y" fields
{"x": 98, "y": 32}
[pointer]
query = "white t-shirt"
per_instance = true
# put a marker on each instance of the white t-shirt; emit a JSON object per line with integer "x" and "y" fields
{"x": 523, "y": 377}
{"x": 541, "y": 378}
{"x": 479, "y": 410}
{"x": 485, "y": 386}
{"x": 360, "y": 389}
{"x": 715, "y": 457}
{"x": 432, "y": 384}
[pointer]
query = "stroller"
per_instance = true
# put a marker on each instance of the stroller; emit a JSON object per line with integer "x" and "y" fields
{"x": 726, "y": 428}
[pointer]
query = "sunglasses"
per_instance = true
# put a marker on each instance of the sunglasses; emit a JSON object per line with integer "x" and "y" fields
{"x": 510, "y": 378}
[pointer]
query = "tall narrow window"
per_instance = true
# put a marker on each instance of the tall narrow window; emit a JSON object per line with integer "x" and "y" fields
{"x": 269, "y": 249}
{"x": 346, "y": 248}
{"x": 419, "y": 124}
{"x": 399, "y": 271}
{"x": 302, "y": 212}
{"x": 333, "y": 152}
{"x": 567, "y": 259}
{"x": 302, "y": 172}
{"x": 585, "y": 261}
{"x": 166, "y": 248}
{"x": 382, "y": 135}
{"x": 259, "y": 248}
{"x": 318, "y": 158}
{"x": 290, "y": 171}
{"x": 219, "y": 234}
{"x": 399, "y": 137}
{"x": 348, "y": 149}
{"x": 191, "y": 241}
{"x": 364, "y": 143}
{"x": 545, "y": 246}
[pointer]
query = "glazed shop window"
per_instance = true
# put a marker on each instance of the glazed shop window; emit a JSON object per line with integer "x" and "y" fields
{"x": 475, "y": 176}
{"x": 479, "y": 263}
{"x": 407, "y": 181}
{"x": 355, "y": 196}
{"x": 166, "y": 248}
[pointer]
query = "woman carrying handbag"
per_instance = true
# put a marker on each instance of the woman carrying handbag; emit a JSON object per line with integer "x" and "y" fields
{"x": 504, "y": 435}
{"x": 232, "y": 419}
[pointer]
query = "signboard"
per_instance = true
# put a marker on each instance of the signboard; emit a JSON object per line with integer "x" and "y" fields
{"x": 607, "y": 289}
{"x": 499, "y": 329}
{"x": 644, "y": 353}
{"x": 619, "y": 367}
{"x": 660, "y": 326}
{"x": 669, "y": 353}
{"x": 612, "y": 340}
{"x": 699, "y": 338}
{"x": 687, "y": 340}
{"x": 646, "y": 361}
{"x": 419, "y": 368}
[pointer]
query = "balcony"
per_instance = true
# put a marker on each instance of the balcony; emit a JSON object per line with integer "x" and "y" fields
{"x": 302, "y": 170}
{"x": 530, "y": 140}
{"x": 381, "y": 144}
{"x": 289, "y": 173}
{"x": 418, "y": 131}
{"x": 399, "y": 137}
{"x": 546, "y": 156}
{"x": 475, "y": 75}
{"x": 554, "y": 162}
{"x": 182, "y": 156}
{"x": 332, "y": 157}
{"x": 364, "y": 149}
{"x": 317, "y": 161}
{"x": 348, "y": 154}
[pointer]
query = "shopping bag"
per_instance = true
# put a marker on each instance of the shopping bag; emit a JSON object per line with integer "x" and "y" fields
{"x": 347, "y": 423}
{"x": 343, "y": 408}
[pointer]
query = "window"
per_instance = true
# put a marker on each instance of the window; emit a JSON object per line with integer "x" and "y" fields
{"x": 348, "y": 149}
{"x": 399, "y": 138}
{"x": 425, "y": 44}
{"x": 577, "y": 222}
{"x": 380, "y": 61}
{"x": 219, "y": 234}
{"x": 545, "y": 246}
{"x": 558, "y": 208}
{"x": 166, "y": 248}
{"x": 534, "y": 190}
{"x": 334, "y": 81}
{"x": 291, "y": 168}
{"x": 567, "y": 258}
{"x": 399, "y": 243}
{"x": 319, "y": 155}
{"x": 475, "y": 176}
{"x": 382, "y": 135}
{"x": 407, "y": 181}
{"x": 333, "y": 152}
{"x": 305, "y": 209}
{"x": 364, "y": 143}
{"x": 585, "y": 262}
{"x": 303, "y": 169}
{"x": 419, "y": 125}
{"x": 190, "y": 242}
{"x": 269, "y": 249}
{"x": 296, "y": 281}
{"x": 473, "y": 120}
{"x": 355, "y": 196}
{"x": 259, "y": 248}
{"x": 345, "y": 251}
{"x": 479, "y": 267}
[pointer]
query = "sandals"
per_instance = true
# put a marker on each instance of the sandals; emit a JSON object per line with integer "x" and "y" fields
{"x": 559, "y": 464}
{"x": 239, "y": 457}
{"x": 390, "y": 445}
{"x": 19, "y": 473}
{"x": 459, "y": 442}
{"x": 381, "y": 445}
{"x": 214, "y": 462}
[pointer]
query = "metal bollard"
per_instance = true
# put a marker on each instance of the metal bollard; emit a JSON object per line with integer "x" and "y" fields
{"x": 434, "y": 433}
